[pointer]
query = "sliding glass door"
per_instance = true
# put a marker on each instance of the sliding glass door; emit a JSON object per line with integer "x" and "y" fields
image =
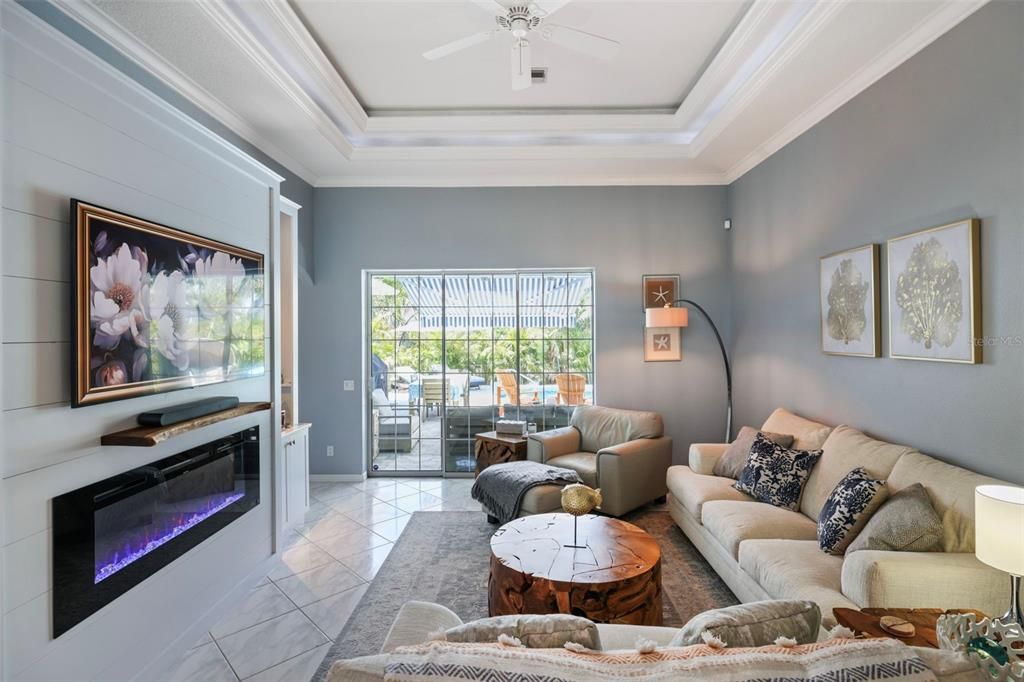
{"x": 452, "y": 352}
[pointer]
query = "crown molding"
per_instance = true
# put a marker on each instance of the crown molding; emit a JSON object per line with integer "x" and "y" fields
{"x": 91, "y": 18}
{"x": 240, "y": 34}
{"x": 923, "y": 34}
{"x": 515, "y": 180}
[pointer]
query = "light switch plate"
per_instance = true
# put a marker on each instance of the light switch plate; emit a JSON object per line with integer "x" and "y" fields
{"x": 350, "y": 384}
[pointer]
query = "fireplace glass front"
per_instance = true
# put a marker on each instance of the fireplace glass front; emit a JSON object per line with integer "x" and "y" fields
{"x": 113, "y": 534}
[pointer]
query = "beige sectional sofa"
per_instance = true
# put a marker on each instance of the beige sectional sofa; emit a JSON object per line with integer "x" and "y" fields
{"x": 764, "y": 552}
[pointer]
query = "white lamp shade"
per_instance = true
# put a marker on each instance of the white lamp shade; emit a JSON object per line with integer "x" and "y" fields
{"x": 999, "y": 527}
{"x": 667, "y": 317}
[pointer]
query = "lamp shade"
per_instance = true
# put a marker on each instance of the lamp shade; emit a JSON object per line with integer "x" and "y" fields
{"x": 667, "y": 317}
{"x": 999, "y": 527}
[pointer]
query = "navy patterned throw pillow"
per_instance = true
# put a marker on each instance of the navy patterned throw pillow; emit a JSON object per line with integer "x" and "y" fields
{"x": 848, "y": 508}
{"x": 775, "y": 474}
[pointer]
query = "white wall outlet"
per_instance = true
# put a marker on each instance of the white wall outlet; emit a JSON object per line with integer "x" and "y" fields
{"x": 330, "y": 451}
{"x": 728, "y": 224}
{"x": 349, "y": 384}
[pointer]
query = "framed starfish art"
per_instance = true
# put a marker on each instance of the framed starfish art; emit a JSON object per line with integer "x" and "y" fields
{"x": 661, "y": 344}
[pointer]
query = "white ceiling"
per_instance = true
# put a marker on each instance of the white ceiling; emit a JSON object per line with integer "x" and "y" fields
{"x": 338, "y": 92}
{"x": 378, "y": 46}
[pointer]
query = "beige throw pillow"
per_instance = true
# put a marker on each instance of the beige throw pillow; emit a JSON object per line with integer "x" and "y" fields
{"x": 758, "y": 623}
{"x": 731, "y": 463}
{"x": 550, "y": 631}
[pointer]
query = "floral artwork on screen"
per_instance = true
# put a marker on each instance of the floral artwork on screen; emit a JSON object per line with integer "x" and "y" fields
{"x": 158, "y": 309}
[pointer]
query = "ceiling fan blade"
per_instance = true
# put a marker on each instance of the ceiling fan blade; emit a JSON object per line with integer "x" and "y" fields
{"x": 460, "y": 44}
{"x": 545, "y": 8}
{"x": 581, "y": 41}
{"x": 492, "y": 7}
{"x": 522, "y": 65}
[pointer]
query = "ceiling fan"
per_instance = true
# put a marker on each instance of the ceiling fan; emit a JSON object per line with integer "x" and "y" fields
{"x": 520, "y": 20}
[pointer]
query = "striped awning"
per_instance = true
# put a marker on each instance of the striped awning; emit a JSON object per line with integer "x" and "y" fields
{"x": 546, "y": 299}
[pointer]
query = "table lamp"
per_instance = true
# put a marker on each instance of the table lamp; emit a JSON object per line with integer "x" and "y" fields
{"x": 670, "y": 316}
{"x": 999, "y": 538}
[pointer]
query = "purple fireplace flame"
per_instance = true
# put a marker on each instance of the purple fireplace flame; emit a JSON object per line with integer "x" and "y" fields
{"x": 176, "y": 524}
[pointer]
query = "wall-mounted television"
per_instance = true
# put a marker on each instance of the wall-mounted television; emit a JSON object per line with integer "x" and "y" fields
{"x": 157, "y": 309}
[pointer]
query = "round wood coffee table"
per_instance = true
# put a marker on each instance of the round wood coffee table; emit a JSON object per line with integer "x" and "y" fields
{"x": 614, "y": 578}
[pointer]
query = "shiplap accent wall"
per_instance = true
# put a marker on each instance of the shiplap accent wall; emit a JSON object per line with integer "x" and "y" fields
{"x": 75, "y": 127}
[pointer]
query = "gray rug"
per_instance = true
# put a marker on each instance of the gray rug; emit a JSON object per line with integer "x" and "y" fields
{"x": 443, "y": 557}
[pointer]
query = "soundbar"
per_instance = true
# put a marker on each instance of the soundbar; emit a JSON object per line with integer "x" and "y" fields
{"x": 186, "y": 411}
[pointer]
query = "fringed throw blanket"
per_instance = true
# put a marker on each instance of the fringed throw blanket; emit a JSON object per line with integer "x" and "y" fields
{"x": 501, "y": 487}
{"x": 831, "y": 661}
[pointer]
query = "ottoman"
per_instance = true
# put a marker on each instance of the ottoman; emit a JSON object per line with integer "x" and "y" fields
{"x": 542, "y": 499}
{"x": 496, "y": 486}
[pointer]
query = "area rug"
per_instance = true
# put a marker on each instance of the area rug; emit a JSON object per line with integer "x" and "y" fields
{"x": 443, "y": 557}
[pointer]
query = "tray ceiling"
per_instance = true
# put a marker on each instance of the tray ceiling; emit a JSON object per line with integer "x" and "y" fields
{"x": 338, "y": 92}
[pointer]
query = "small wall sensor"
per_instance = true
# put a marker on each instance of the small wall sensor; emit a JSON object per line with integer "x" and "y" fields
{"x": 728, "y": 224}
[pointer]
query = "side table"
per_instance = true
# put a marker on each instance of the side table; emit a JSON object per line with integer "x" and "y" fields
{"x": 866, "y": 622}
{"x": 494, "y": 448}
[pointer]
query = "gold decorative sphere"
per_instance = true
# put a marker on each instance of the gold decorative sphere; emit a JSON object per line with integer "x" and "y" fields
{"x": 578, "y": 499}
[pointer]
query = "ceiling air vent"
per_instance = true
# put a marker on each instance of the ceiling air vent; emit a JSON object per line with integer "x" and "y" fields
{"x": 539, "y": 75}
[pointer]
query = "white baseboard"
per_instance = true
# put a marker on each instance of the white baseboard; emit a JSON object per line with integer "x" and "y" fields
{"x": 337, "y": 478}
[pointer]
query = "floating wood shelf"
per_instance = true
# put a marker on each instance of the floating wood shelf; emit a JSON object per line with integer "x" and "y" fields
{"x": 148, "y": 436}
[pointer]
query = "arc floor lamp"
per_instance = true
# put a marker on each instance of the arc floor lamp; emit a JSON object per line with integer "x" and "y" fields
{"x": 671, "y": 316}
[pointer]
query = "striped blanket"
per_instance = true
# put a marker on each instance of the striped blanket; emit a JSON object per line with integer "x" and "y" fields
{"x": 837, "y": 660}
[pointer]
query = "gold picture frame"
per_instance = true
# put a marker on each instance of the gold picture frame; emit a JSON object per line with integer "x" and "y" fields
{"x": 850, "y": 302}
{"x": 211, "y": 329}
{"x": 934, "y": 295}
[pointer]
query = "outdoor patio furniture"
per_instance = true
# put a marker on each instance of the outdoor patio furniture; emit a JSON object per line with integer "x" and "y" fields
{"x": 571, "y": 388}
{"x": 396, "y": 425}
{"x": 433, "y": 392}
{"x": 509, "y": 382}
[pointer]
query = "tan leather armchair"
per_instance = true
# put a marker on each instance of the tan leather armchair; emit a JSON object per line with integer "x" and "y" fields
{"x": 623, "y": 452}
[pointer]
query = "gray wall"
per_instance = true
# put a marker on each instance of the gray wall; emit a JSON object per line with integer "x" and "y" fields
{"x": 622, "y": 232}
{"x": 938, "y": 139}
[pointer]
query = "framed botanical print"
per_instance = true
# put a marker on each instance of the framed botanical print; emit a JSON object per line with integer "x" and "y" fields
{"x": 935, "y": 294}
{"x": 849, "y": 302}
{"x": 156, "y": 309}
{"x": 662, "y": 344}
{"x": 660, "y": 290}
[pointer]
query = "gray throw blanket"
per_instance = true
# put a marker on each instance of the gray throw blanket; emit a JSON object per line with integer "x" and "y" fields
{"x": 501, "y": 487}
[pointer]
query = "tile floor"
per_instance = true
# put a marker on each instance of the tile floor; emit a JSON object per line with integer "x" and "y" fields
{"x": 283, "y": 628}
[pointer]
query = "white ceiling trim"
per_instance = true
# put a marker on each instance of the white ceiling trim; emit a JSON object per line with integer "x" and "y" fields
{"x": 86, "y": 14}
{"x": 762, "y": 22}
{"x": 253, "y": 48}
{"x": 517, "y": 180}
{"x": 915, "y": 40}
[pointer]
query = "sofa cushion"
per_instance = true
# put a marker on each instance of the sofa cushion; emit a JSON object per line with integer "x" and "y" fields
{"x": 757, "y": 623}
{"x": 733, "y": 522}
{"x": 847, "y": 510}
{"x": 603, "y": 427}
{"x": 775, "y": 474}
{"x": 694, "y": 490}
{"x": 907, "y": 522}
{"x": 807, "y": 435}
{"x": 845, "y": 450}
{"x": 796, "y": 569}
{"x": 951, "y": 490}
{"x": 583, "y": 463}
{"x": 548, "y": 631}
{"x": 381, "y": 403}
{"x": 732, "y": 461}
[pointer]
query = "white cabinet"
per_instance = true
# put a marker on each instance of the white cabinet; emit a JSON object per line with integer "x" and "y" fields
{"x": 295, "y": 446}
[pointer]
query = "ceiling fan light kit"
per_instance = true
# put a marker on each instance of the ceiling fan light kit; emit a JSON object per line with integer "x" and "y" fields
{"x": 521, "y": 21}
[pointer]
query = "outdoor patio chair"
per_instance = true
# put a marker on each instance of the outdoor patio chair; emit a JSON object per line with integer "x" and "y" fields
{"x": 434, "y": 392}
{"x": 509, "y": 382}
{"x": 396, "y": 425}
{"x": 571, "y": 389}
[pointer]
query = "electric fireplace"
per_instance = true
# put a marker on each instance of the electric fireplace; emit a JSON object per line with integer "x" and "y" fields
{"x": 113, "y": 534}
